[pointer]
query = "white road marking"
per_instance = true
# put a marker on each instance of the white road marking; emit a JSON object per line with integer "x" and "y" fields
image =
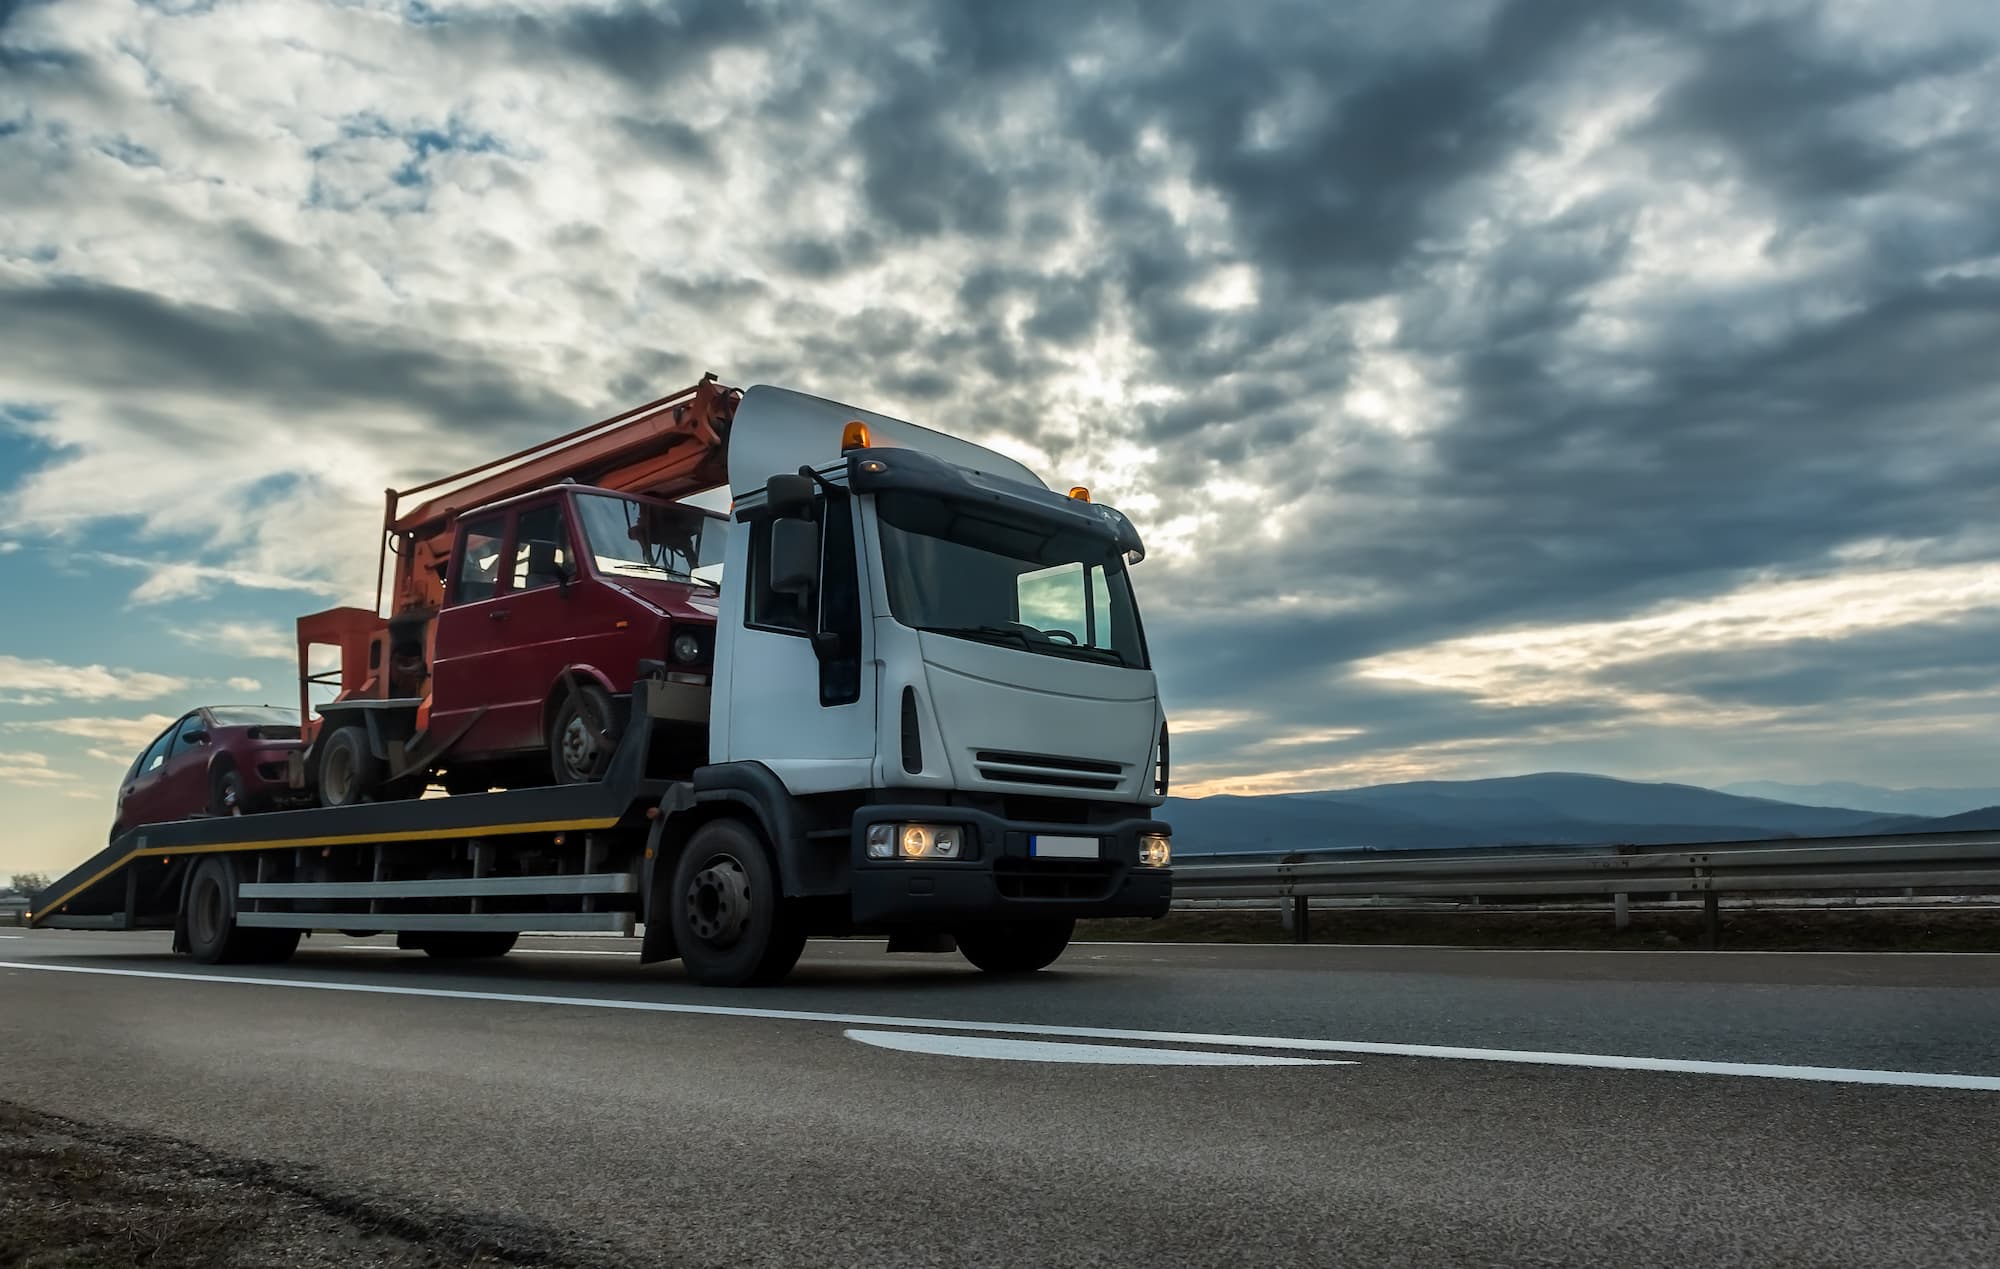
{"x": 1683, "y": 952}
{"x": 976, "y": 1046}
{"x": 519, "y": 951}
{"x": 1751, "y": 1070}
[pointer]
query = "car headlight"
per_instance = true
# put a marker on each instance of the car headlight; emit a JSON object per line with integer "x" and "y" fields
{"x": 916, "y": 841}
{"x": 1156, "y": 850}
{"x": 687, "y": 647}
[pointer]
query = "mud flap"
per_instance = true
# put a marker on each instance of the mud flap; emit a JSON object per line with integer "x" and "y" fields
{"x": 658, "y": 944}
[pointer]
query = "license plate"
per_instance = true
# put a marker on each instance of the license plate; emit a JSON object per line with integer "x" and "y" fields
{"x": 1064, "y": 847}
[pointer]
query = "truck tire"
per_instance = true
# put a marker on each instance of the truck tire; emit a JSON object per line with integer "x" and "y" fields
{"x": 582, "y": 735}
{"x": 213, "y": 936}
{"x": 349, "y": 772}
{"x": 1015, "y": 947}
{"x": 731, "y": 923}
{"x": 464, "y": 945}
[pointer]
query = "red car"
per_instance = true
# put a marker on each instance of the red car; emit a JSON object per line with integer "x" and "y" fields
{"x": 216, "y": 760}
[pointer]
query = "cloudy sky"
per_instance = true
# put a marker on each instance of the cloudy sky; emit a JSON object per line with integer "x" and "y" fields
{"x": 1500, "y": 387}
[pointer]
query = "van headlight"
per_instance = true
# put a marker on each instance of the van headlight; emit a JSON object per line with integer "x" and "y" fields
{"x": 1156, "y": 850}
{"x": 916, "y": 841}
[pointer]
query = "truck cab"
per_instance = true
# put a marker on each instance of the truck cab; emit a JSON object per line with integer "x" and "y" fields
{"x": 941, "y": 662}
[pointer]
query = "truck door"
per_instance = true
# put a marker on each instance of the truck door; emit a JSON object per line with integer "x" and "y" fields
{"x": 808, "y": 715}
{"x": 472, "y": 626}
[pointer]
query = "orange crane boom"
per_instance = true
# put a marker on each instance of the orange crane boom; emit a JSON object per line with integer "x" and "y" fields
{"x": 667, "y": 448}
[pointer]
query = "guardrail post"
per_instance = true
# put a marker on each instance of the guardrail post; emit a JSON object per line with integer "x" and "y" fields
{"x": 1711, "y": 920}
{"x": 1301, "y": 919}
{"x": 1621, "y": 911}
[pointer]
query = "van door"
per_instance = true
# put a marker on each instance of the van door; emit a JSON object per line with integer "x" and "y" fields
{"x": 471, "y": 628}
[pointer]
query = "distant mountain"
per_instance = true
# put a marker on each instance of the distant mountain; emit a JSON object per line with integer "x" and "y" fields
{"x": 1556, "y": 808}
{"x": 1985, "y": 818}
{"x": 1868, "y": 797}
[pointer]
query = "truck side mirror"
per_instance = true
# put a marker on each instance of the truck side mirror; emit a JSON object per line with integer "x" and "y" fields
{"x": 542, "y": 563}
{"x": 794, "y": 557}
{"x": 789, "y": 496}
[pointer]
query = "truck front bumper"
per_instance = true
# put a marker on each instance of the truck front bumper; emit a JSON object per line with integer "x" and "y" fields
{"x": 1003, "y": 879}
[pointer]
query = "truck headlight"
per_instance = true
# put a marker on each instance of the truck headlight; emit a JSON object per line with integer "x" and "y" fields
{"x": 930, "y": 841}
{"x": 686, "y": 647}
{"x": 1156, "y": 850}
{"x": 916, "y": 841}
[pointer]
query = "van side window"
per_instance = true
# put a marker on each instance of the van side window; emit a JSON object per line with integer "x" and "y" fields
{"x": 539, "y": 524}
{"x": 477, "y": 575}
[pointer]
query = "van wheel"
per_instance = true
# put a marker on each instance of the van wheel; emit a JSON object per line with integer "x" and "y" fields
{"x": 731, "y": 923}
{"x": 582, "y": 735}
{"x": 1015, "y": 947}
{"x": 213, "y": 936}
{"x": 348, "y": 771}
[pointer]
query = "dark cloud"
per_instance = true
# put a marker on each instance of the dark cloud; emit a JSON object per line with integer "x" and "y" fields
{"x": 670, "y": 139}
{"x": 135, "y": 342}
{"x": 645, "y": 46}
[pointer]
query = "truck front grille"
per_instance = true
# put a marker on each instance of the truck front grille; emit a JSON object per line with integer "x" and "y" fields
{"x": 1050, "y": 771}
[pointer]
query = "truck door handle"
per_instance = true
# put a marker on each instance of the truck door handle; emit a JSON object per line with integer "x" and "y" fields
{"x": 497, "y": 614}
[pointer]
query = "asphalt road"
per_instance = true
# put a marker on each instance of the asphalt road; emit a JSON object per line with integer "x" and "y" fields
{"x": 1157, "y": 1105}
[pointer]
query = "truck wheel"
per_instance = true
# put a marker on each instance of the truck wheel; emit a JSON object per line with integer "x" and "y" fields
{"x": 582, "y": 735}
{"x": 731, "y": 924}
{"x": 348, "y": 769}
{"x": 214, "y": 937}
{"x": 464, "y": 945}
{"x": 1015, "y": 947}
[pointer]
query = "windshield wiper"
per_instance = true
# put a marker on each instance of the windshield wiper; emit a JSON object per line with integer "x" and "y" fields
{"x": 991, "y": 634}
{"x": 1028, "y": 639}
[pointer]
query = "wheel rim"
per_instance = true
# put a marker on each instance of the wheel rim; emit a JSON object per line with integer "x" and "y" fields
{"x": 579, "y": 747}
{"x": 206, "y": 916}
{"x": 231, "y": 789}
{"x": 718, "y": 901}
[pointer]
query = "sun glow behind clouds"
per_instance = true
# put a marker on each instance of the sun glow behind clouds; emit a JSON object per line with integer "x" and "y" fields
{"x": 1550, "y": 664}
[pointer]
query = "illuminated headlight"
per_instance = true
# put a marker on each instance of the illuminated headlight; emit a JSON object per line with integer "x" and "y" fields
{"x": 686, "y": 647}
{"x": 930, "y": 841}
{"x": 1156, "y": 850}
{"x": 916, "y": 841}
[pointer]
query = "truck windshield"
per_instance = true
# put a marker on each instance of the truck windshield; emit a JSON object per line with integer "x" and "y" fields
{"x": 954, "y": 568}
{"x": 629, "y": 538}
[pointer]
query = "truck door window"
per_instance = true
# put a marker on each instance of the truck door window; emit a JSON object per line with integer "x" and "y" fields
{"x": 834, "y": 606}
{"x": 478, "y": 573}
{"x": 772, "y": 609}
{"x": 539, "y": 524}
{"x": 839, "y": 604}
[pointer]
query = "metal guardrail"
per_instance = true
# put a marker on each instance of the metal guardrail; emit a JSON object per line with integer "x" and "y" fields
{"x": 1945, "y": 862}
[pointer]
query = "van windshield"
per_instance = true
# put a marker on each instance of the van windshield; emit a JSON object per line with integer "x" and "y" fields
{"x": 629, "y": 538}
{"x": 953, "y": 569}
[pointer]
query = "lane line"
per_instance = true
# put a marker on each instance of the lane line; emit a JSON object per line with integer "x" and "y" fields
{"x": 1750, "y": 1070}
{"x": 519, "y": 951}
{"x": 1684, "y": 953}
{"x": 973, "y": 1046}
